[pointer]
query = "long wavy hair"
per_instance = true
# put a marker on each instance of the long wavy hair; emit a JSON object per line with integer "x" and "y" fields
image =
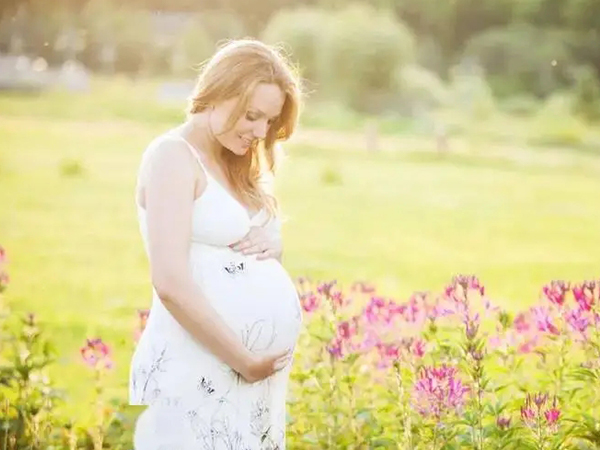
{"x": 234, "y": 71}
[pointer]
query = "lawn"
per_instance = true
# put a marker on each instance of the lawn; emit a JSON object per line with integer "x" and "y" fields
{"x": 403, "y": 219}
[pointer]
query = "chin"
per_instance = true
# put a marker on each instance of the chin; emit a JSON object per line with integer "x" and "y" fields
{"x": 240, "y": 151}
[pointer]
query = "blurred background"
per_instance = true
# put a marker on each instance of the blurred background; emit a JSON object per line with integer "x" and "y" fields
{"x": 437, "y": 138}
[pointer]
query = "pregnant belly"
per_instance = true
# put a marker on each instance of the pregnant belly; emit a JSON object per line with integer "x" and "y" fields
{"x": 256, "y": 298}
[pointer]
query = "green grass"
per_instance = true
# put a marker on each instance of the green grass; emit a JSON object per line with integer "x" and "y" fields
{"x": 404, "y": 220}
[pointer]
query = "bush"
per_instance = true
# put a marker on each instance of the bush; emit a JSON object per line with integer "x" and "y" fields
{"x": 556, "y": 125}
{"x": 220, "y": 25}
{"x": 421, "y": 87}
{"x": 363, "y": 48}
{"x": 301, "y": 30}
{"x": 520, "y": 105}
{"x": 586, "y": 101}
{"x": 470, "y": 91}
{"x": 522, "y": 58}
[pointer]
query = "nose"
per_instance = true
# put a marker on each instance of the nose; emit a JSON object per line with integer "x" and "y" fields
{"x": 260, "y": 131}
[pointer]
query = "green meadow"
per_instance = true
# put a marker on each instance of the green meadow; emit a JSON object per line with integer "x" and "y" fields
{"x": 405, "y": 218}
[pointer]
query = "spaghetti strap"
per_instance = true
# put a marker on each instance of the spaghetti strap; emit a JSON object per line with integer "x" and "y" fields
{"x": 194, "y": 153}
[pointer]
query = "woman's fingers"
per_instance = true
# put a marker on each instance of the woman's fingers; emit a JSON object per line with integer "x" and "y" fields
{"x": 282, "y": 362}
{"x": 266, "y": 254}
{"x": 251, "y": 239}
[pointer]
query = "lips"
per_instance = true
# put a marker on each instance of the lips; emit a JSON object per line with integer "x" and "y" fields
{"x": 247, "y": 142}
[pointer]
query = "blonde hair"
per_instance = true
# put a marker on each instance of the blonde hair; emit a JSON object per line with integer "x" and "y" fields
{"x": 234, "y": 71}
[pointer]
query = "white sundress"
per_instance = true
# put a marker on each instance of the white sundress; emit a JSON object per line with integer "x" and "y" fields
{"x": 195, "y": 401}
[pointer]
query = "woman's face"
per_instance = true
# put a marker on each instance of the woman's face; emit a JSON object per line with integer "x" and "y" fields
{"x": 264, "y": 107}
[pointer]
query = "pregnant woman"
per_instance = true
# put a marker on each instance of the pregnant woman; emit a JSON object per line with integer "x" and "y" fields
{"x": 213, "y": 362}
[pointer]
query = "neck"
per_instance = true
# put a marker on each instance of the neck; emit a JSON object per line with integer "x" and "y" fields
{"x": 201, "y": 136}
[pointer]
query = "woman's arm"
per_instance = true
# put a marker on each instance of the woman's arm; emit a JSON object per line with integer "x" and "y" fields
{"x": 169, "y": 195}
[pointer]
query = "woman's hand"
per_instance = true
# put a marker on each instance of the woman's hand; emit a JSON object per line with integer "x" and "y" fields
{"x": 265, "y": 242}
{"x": 259, "y": 368}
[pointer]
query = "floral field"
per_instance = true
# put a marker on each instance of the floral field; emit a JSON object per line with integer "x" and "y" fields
{"x": 447, "y": 370}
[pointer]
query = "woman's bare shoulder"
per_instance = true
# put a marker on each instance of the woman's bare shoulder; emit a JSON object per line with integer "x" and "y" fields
{"x": 167, "y": 153}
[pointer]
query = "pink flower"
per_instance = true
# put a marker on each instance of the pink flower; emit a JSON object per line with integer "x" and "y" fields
{"x": 528, "y": 346}
{"x": 520, "y": 323}
{"x": 543, "y": 320}
{"x": 335, "y": 348}
{"x": 2, "y": 255}
{"x": 388, "y": 353}
{"x": 309, "y": 301}
{"x": 438, "y": 391}
{"x": 586, "y": 295}
{"x": 528, "y": 414}
{"x": 503, "y": 422}
{"x": 466, "y": 282}
{"x": 418, "y": 348}
{"x": 578, "y": 320}
{"x": 540, "y": 399}
{"x": 375, "y": 310}
{"x": 556, "y": 292}
{"x": 325, "y": 288}
{"x": 348, "y": 328}
{"x": 347, "y": 339}
{"x": 552, "y": 416}
{"x": 471, "y": 326}
{"x": 96, "y": 354}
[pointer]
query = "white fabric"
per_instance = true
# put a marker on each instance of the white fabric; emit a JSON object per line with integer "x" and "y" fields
{"x": 195, "y": 400}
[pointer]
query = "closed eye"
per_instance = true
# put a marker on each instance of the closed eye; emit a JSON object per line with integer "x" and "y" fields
{"x": 252, "y": 117}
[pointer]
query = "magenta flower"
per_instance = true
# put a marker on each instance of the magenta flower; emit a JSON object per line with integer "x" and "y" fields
{"x": 466, "y": 282}
{"x": 348, "y": 328}
{"x": 556, "y": 292}
{"x": 534, "y": 409}
{"x": 376, "y": 310}
{"x": 586, "y": 294}
{"x": 528, "y": 346}
{"x": 528, "y": 414}
{"x": 309, "y": 301}
{"x": 348, "y": 339}
{"x": 521, "y": 324}
{"x": 552, "y": 415}
{"x": 2, "y": 255}
{"x": 418, "y": 348}
{"x": 326, "y": 287}
{"x": 540, "y": 399}
{"x": 578, "y": 320}
{"x": 543, "y": 320}
{"x": 471, "y": 326}
{"x": 438, "y": 391}
{"x": 335, "y": 348}
{"x": 96, "y": 354}
{"x": 503, "y": 423}
{"x": 388, "y": 353}
{"x": 336, "y": 298}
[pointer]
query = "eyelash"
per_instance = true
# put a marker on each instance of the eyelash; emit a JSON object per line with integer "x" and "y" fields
{"x": 252, "y": 118}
